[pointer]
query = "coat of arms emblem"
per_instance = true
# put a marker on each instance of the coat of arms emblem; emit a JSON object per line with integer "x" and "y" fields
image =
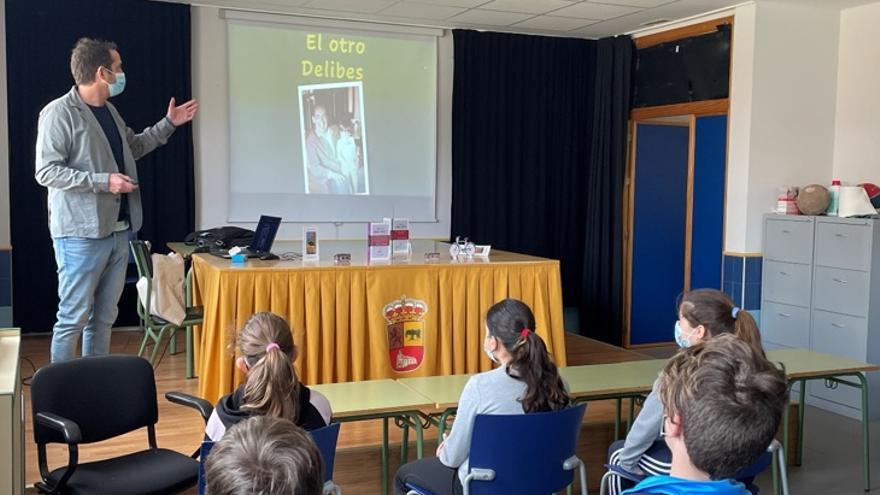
{"x": 406, "y": 333}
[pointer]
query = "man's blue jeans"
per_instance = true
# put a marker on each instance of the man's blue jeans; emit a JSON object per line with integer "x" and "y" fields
{"x": 91, "y": 276}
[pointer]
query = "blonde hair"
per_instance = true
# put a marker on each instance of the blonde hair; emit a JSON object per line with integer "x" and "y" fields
{"x": 271, "y": 387}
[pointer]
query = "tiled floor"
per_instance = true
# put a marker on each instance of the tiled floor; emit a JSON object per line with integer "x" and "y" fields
{"x": 832, "y": 463}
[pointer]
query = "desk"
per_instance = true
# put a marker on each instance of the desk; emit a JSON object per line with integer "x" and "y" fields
{"x": 378, "y": 399}
{"x": 802, "y": 365}
{"x": 339, "y": 313}
{"x": 586, "y": 383}
{"x": 11, "y": 415}
{"x": 636, "y": 378}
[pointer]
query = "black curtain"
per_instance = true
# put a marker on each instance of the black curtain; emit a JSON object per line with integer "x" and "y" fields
{"x": 538, "y": 157}
{"x": 154, "y": 42}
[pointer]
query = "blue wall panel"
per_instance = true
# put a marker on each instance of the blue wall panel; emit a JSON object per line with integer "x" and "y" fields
{"x": 660, "y": 206}
{"x": 707, "y": 241}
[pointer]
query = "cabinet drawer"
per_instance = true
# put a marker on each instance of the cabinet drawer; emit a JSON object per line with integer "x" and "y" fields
{"x": 844, "y": 336}
{"x": 841, "y": 291}
{"x": 839, "y": 335}
{"x": 844, "y": 245}
{"x": 842, "y": 394}
{"x": 788, "y": 240}
{"x": 785, "y": 325}
{"x": 787, "y": 283}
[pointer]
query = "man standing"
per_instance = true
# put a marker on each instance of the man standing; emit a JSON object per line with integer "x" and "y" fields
{"x": 86, "y": 158}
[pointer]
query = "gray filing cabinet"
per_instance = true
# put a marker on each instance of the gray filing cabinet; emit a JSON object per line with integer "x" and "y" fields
{"x": 816, "y": 293}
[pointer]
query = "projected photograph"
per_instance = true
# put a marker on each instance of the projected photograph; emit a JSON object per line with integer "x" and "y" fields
{"x": 334, "y": 138}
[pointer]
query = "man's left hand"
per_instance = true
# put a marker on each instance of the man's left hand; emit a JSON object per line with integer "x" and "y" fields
{"x": 179, "y": 115}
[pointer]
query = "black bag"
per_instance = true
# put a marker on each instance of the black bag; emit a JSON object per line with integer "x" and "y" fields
{"x": 220, "y": 237}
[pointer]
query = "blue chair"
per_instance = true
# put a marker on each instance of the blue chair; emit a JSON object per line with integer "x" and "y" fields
{"x": 774, "y": 456}
{"x": 325, "y": 438}
{"x": 523, "y": 454}
{"x": 203, "y": 456}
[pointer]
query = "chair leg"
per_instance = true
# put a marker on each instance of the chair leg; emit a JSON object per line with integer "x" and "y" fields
{"x": 189, "y": 352}
{"x": 147, "y": 335}
{"x": 404, "y": 443}
{"x": 173, "y": 344}
{"x": 157, "y": 345}
{"x": 783, "y": 473}
{"x": 603, "y": 485}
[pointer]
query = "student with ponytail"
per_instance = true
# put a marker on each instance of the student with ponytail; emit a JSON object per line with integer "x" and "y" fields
{"x": 702, "y": 315}
{"x": 526, "y": 381}
{"x": 271, "y": 388}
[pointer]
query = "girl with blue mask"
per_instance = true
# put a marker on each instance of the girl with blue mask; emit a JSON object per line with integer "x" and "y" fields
{"x": 702, "y": 314}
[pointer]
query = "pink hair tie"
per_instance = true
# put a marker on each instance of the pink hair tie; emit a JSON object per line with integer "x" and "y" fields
{"x": 524, "y": 333}
{"x": 271, "y": 346}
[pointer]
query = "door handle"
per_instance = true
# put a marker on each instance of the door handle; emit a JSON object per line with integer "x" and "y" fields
{"x": 838, "y": 234}
{"x": 784, "y": 274}
{"x": 837, "y": 325}
{"x": 785, "y": 315}
{"x": 839, "y": 281}
{"x": 786, "y": 231}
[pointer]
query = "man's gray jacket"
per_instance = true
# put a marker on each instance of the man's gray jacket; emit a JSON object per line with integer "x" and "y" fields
{"x": 74, "y": 161}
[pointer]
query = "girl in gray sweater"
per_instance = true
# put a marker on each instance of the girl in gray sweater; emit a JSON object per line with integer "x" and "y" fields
{"x": 512, "y": 388}
{"x": 702, "y": 314}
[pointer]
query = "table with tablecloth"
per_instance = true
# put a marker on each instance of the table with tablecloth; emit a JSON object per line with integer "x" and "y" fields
{"x": 370, "y": 319}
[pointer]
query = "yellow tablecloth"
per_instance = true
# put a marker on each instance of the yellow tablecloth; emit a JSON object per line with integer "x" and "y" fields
{"x": 337, "y": 313}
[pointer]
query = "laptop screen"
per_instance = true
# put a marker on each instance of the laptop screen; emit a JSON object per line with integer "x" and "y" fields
{"x": 264, "y": 236}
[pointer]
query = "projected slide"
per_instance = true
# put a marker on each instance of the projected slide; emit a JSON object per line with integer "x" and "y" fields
{"x": 334, "y": 154}
{"x": 331, "y": 124}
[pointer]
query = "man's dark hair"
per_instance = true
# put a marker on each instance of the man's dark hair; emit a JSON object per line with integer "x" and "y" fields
{"x": 87, "y": 55}
{"x": 729, "y": 399}
{"x": 270, "y": 456}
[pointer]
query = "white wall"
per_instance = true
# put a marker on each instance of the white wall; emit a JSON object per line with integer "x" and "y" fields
{"x": 211, "y": 136}
{"x": 742, "y": 73}
{"x": 786, "y": 116}
{"x": 857, "y": 134}
{"x": 5, "y": 238}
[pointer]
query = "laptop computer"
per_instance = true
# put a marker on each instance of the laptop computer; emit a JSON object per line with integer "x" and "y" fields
{"x": 264, "y": 237}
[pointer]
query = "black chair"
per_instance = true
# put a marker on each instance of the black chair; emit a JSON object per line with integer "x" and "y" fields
{"x": 92, "y": 399}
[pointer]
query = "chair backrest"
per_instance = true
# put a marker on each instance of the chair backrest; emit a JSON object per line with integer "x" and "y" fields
{"x": 325, "y": 438}
{"x": 141, "y": 252}
{"x": 105, "y": 396}
{"x": 204, "y": 450}
{"x": 756, "y": 468}
{"x": 526, "y": 451}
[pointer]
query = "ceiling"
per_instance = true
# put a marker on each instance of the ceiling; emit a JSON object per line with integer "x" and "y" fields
{"x": 576, "y": 18}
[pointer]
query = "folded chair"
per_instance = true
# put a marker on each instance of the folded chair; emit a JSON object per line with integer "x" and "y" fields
{"x": 155, "y": 327}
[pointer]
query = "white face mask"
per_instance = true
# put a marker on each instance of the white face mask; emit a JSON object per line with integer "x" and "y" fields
{"x": 681, "y": 339}
{"x": 117, "y": 87}
{"x": 490, "y": 354}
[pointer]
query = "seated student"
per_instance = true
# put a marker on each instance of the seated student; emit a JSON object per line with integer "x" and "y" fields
{"x": 269, "y": 456}
{"x": 702, "y": 314}
{"x": 526, "y": 381}
{"x": 271, "y": 387}
{"x": 723, "y": 403}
